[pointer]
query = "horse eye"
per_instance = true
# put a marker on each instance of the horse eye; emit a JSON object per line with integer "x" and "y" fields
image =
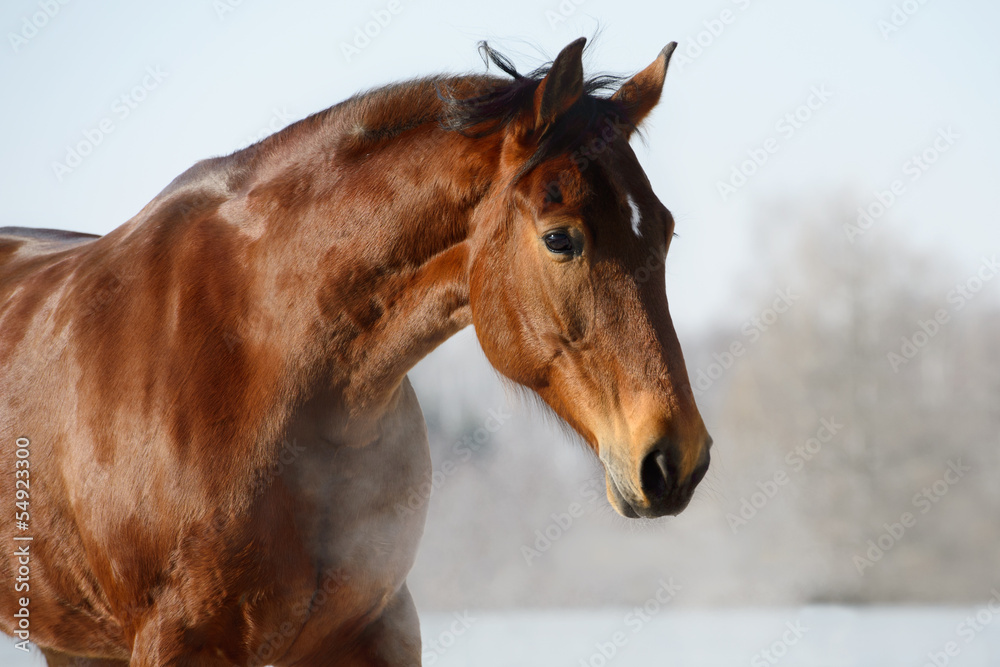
{"x": 559, "y": 243}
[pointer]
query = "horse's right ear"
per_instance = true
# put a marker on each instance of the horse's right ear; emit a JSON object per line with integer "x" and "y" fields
{"x": 561, "y": 87}
{"x": 641, "y": 93}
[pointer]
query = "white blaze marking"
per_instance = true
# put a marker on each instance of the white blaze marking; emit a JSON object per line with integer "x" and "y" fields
{"x": 636, "y": 216}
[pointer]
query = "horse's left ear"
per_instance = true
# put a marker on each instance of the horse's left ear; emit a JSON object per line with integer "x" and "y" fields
{"x": 641, "y": 93}
{"x": 562, "y": 86}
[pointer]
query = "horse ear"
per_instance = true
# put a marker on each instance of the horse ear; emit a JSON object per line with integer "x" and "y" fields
{"x": 562, "y": 86}
{"x": 641, "y": 93}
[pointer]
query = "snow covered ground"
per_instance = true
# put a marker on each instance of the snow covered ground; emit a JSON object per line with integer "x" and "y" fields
{"x": 660, "y": 636}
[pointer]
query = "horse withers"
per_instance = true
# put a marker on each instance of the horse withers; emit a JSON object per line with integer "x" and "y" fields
{"x": 208, "y": 409}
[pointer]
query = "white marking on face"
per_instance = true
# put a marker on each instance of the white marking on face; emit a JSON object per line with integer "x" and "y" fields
{"x": 636, "y": 215}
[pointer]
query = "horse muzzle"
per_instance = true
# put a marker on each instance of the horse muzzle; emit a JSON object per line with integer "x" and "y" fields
{"x": 656, "y": 488}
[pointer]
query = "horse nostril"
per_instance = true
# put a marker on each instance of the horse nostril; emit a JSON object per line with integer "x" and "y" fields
{"x": 699, "y": 472}
{"x": 657, "y": 474}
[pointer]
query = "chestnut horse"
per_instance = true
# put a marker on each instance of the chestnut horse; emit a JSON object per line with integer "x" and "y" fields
{"x": 207, "y": 409}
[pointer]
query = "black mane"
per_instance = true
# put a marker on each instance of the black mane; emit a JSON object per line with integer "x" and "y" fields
{"x": 474, "y": 105}
{"x": 507, "y": 99}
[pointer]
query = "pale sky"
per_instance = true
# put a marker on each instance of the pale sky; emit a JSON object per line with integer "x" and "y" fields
{"x": 226, "y": 71}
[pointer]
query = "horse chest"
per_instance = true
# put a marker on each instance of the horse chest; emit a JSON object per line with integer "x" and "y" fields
{"x": 354, "y": 521}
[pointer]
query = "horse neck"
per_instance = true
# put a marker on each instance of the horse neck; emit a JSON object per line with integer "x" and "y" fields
{"x": 373, "y": 250}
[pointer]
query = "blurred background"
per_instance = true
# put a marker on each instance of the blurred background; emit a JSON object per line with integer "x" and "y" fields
{"x": 833, "y": 170}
